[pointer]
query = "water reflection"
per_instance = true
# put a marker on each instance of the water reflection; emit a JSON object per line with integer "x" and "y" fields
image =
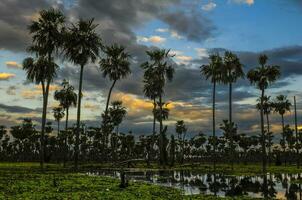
{"x": 280, "y": 186}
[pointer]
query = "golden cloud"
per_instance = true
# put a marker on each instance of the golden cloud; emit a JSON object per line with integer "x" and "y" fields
{"x": 91, "y": 106}
{"x": 51, "y": 87}
{"x": 13, "y": 65}
{"x": 30, "y": 94}
{"x": 6, "y": 76}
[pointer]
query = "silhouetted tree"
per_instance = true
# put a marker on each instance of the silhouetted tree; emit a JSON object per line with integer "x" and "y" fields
{"x": 262, "y": 77}
{"x": 81, "y": 45}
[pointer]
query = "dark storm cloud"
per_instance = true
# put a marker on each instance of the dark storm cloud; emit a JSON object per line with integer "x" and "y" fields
{"x": 15, "y": 109}
{"x": 193, "y": 26}
{"x": 14, "y": 18}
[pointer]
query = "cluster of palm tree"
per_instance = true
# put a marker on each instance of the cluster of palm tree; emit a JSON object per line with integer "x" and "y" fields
{"x": 226, "y": 70}
{"x": 80, "y": 44}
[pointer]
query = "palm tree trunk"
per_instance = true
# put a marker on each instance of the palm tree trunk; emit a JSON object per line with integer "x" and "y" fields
{"x": 269, "y": 140}
{"x": 214, "y": 134}
{"x": 44, "y": 113}
{"x": 283, "y": 137}
{"x": 76, "y": 156}
{"x": 263, "y": 136}
{"x": 58, "y": 127}
{"x": 65, "y": 138}
{"x": 108, "y": 98}
{"x": 296, "y": 130}
{"x": 230, "y": 120}
{"x": 161, "y": 136}
{"x": 154, "y": 119}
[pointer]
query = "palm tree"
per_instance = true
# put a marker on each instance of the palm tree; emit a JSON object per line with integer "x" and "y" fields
{"x": 282, "y": 105}
{"x": 151, "y": 88}
{"x": 81, "y": 45}
{"x": 67, "y": 98}
{"x": 262, "y": 77}
{"x": 46, "y": 39}
{"x": 40, "y": 71}
{"x": 267, "y": 108}
{"x": 232, "y": 71}
{"x": 161, "y": 70}
{"x": 181, "y": 130}
{"x": 213, "y": 71}
{"x": 58, "y": 114}
{"x": 117, "y": 112}
{"x": 116, "y": 66}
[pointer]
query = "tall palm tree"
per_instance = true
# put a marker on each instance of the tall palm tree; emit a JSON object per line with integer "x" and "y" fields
{"x": 67, "y": 98}
{"x": 213, "y": 71}
{"x": 267, "y": 108}
{"x": 58, "y": 114}
{"x": 151, "y": 88}
{"x": 81, "y": 45}
{"x": 232, "y": 71}
{"x": 46, "y": 34}
{"x": 262, "y": 77}
{"x": 282, "y": 105}
{"x": 116, "y": 66}
{"x": 159, "y": 67}
{"x": 40, "y": 71}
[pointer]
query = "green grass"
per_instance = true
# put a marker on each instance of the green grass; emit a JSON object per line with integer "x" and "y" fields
{"x": 26, "y": 181}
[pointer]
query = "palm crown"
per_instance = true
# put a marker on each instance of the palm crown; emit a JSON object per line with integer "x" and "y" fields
{"x": 116, "y": 64}
{"x": 213, "y": 71}
{"x": 82, "y": 43}
{"x": 47, "y": 31}
{"x": 232, "y": 68}
{"x": 263, "y": 75}
{"x": 40, "y": 69}
{"x": 282, "y": 104}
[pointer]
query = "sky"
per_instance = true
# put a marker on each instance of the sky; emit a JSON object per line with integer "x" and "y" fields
{"x": 191, "y": 29}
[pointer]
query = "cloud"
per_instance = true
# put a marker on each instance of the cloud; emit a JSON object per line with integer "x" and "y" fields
{"x": 248, "y": 2}
{"x": 6, "y": 76}
{"x": 11, "y": 90}
{"x": 209, "y": 6}
{"x": 15, "y": 109}
{"x": 153, "y": 39}
{"x": 173, "y": 34}
{"x": 192, "y": 25}
{"x": 202, "y": 52}
{"x": 30, "y": 94}
{"x": 13, "y": 65}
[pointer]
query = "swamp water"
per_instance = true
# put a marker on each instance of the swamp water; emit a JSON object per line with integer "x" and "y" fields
{"x": 279, "y": 186}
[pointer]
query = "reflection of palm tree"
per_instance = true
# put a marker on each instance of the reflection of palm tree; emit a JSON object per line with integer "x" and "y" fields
{"x": 282, "y": 105}
{"x": 262, "y": 77}
{"x": 213, "y": 72}
{"x": 46, "y": 38}
{"x": 81, "y": 46}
